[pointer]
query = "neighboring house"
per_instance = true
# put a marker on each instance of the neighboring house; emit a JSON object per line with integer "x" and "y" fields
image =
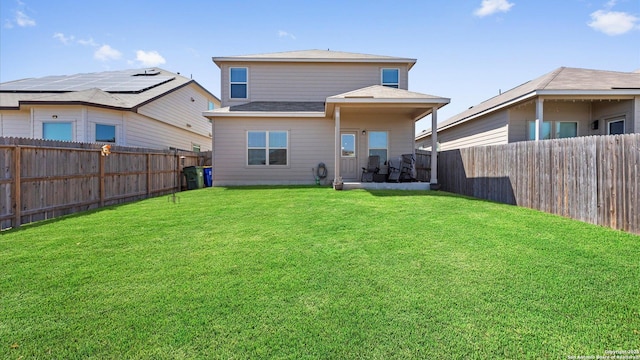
{"x": 567, "y": 102}
{"x": 285, "y": 113}
{"x": 150, "y": 108}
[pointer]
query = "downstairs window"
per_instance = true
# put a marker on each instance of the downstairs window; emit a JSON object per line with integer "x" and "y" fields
{"x": 267, "y": 148}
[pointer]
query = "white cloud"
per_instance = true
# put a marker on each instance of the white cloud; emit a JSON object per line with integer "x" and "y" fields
{"x": 106, "y": 52}
{"x": 63, "y": 39}
{"x": 88, "y": 42}
{"x": 282, "y": 33}
{"x": 613, "y": 22}
{"x": 610, "y": 4}
{"x": 490, "y": 7}
{"x": 23, "y": 20}
{"x": 149, "y": 58}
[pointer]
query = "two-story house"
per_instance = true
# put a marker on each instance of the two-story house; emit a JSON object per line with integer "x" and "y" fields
{"x": 151, "y": 108}
{"x": 284, "y": 114}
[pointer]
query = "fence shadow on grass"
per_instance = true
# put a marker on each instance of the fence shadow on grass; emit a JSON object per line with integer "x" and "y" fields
{"x": 53, "y": 220}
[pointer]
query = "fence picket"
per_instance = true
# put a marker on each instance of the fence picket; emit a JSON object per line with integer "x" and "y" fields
{"x": 42, "y": 179}
{"x": 594, "y": 179}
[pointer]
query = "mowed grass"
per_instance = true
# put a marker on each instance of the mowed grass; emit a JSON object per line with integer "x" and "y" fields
{"x": 313, "y": 273}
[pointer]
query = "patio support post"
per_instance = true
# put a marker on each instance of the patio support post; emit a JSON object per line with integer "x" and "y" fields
{"x": 337, "y": 147}
{"x": 636, "y": 116}
{"x": 539, "y": 118}
{"x": 434, "y": 146}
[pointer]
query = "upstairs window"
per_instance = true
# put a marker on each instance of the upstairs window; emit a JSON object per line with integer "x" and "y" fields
{"x": 211, "y": 105}
{"x": 390, "y": 77}
{"x": 238, "y": 83}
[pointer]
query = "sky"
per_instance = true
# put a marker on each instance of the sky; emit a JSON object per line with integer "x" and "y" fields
{"x": 466, "y": 50}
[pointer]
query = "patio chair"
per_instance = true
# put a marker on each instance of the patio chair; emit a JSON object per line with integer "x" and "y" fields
{"x": 407, "y": 166}
{"x": 394, "y": 170}
{"x": 373, "y": 166}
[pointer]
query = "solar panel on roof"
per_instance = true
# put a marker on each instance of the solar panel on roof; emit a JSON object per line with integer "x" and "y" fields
{"x": 113, "y": 81}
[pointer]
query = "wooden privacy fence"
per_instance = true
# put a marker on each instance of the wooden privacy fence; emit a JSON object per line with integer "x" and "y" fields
{"x": 594, "y": 179}
{"x": 423, "y": 165}
{"x": 46, "y": 179}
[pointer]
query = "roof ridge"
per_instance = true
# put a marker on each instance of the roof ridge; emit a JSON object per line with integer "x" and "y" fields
{"x": 553, "y": 75}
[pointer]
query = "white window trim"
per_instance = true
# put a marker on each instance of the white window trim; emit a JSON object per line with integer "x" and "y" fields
{"x": 369, "y": 148}
{"x": 266, "y": 148}
{"x": 355, "y": 145}
{"x": 237, "y": 82}
{"x": 555, "y": 129}
{"x": 388, "y": 84}
{"x": 95, "y": 133}
{"x": 73, "y": 128}
{"x": 531, "y": 136}
{"x": 612, "y": 120}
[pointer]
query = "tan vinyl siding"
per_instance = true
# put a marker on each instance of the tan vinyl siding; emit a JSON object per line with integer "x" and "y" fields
{"x": 146, "y": 132}
{"x": 488, "y": 130}
{"x": 311, "y": 141}
{"x": 305, "y": 82}
{"x": 605, "y": 110}
{"x": 15, "y": 123}
{"x": 518, "y": 117}
{"x": 178, "y": 110}
{"x": 580, "y": 111}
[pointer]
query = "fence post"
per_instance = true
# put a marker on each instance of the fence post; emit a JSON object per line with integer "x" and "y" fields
{"x": 102, "y": 190}
{"x": 17, "y": 185}
{"x": 148, "y": 175}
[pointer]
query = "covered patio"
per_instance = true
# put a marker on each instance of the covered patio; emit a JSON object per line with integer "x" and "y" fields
{"x": 380, "y": 121}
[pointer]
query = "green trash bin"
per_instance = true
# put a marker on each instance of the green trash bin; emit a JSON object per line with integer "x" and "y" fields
{"x": 194, "y": 176}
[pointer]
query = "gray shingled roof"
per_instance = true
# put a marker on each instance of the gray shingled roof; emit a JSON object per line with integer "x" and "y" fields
{"x": 421, "y": 104}
{"x": 124, "y": 89}
{"x": 385, "y": 92}
{"x": 563, "y": 81}
{"x": 315, "y": 56}
{"x": 280, "y": 106}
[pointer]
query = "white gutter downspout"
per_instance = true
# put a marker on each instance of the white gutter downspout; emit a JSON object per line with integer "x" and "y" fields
{"x": 434, "y": 147}
{"x": 539, "y": 117}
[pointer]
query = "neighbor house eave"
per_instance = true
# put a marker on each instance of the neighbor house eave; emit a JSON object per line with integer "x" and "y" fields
{"x": 262, "y": 114}
{"x": 618, "y": 94}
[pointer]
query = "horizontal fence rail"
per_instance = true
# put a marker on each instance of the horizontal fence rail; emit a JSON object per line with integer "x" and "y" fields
{"x": 594, "y": 179}
{"x": 42, "y": 179}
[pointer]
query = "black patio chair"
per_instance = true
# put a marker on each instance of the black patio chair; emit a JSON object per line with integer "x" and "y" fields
{"x": 407, "y": 166}
{"x": 373, "y": 166}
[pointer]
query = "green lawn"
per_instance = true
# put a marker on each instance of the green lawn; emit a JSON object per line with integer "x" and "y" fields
{"x": 313, "y": 273}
